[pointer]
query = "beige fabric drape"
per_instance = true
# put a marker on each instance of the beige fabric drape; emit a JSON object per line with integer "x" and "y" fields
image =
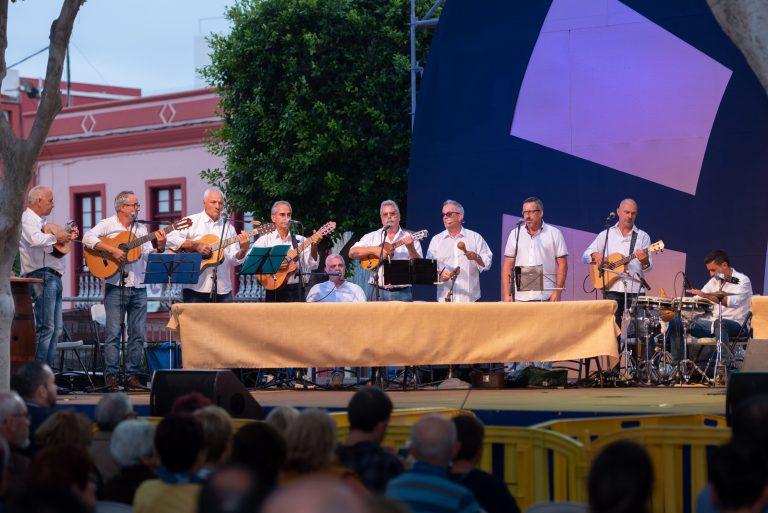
{"x": 760, "y": 317}
{"x": 261, "y": 335}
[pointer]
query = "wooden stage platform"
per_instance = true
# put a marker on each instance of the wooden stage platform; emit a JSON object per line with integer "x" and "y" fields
{"x": 517, "y": 407}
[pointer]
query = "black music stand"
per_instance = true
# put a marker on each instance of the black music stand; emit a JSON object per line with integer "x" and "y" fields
{"x": 170, "y": 268}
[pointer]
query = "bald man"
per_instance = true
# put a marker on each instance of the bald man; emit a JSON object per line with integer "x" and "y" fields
{"x": 624, "y": 238}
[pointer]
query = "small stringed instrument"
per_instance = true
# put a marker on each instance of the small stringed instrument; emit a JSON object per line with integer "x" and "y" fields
{"x": 60, "y": 248}
{"x": 288, "y": 266}
{"x": 217, "y": 248}
{"x": 617, "y": 263}
{"x": 370, "y": 263}
{"x": 102, "y": 265}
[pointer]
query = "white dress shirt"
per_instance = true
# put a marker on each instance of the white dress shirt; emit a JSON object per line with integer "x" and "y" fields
{"x": 110, "y": 227}
{"x": 618, "y": 243}
{"x": 307, "y": 262}
{"x": 375, "y": 238}
{"x": 35, "y": 247}
{"x": 738, "y": 304}
{"x": 542, "y": 249}
{"x": 202, "y": 224}
{"x": 328, "y": 292}
{"x": 443, "y": 248}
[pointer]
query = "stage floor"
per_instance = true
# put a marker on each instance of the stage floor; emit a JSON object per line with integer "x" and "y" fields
{"x": 519, "y": 407}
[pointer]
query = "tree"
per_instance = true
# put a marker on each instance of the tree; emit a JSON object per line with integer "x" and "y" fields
{"x": 19, "y": 157}
{"x": 315, "y": 104}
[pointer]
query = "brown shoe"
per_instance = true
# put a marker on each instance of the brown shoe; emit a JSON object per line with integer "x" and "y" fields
{"x": 112, "y": 382}
{"x": 134, "y": 385}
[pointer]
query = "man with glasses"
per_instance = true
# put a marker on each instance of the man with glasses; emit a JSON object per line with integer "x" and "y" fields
{"x": 131, "y": 283}
{"x": 370, "y": 246}
{"x": 469, "y": 261}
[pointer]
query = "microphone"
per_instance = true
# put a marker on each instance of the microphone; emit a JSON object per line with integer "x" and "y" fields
{"x": 610, "y": 217}
{"x": 686, "y": 282}
{"x": 337, "y": 273}
{"x": 134, "y": 217}
{"x": 727, "y": 279}
{"x": 520, "y": 222}
{"x": 387, "y": 227}
{"x": 293, "y": 221}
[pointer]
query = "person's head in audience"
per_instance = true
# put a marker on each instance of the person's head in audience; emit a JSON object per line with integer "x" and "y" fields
{"x": 232, "y": 489}
{"x": 281, "y": 416}
{"x": 368, "y": 412}
{"x": 14, "y": 419}
{"x": 133, "y": 444}
{"x": 217, "y": 428}
{"x": 260, "y": 447}
{"x": 112, "y": 409}
{"x": 470, "y": 433}
{"x": 5, "y": 458}
{"x": 311, "y": 441}
{"x": 35, "y": 383}
{"x": 748, "y": 421}
{"x": 315, "y": 494}
{"x": 739, "y": 478}
{"x": 189, "y": 403}
{"x": 433, "y": 440}
{"x": 621, "y": 479}
{"x": 45, "y": 499}
{"x": 180, "y": 443}
{"x": 65, "y": 427}
{"x": 65, "y": 466}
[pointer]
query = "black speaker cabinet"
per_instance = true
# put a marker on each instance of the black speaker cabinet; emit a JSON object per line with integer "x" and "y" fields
{"x": 742, "y": 385}
{"x": 756, "y": 357}
{"x": 221, "y": 386}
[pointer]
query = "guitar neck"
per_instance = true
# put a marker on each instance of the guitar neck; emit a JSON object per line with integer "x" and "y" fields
{"x": 148, "y": 237}
{"x": 623, "y": 261}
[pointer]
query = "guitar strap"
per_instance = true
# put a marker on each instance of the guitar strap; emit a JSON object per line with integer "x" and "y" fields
{"x": 632, "y": 242}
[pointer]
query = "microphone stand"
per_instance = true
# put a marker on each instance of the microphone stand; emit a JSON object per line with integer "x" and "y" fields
{"x": 123, "y": 307}
{"x": 378, "y": 267}
{"x": 605, "y": 252}
{"x": 513, "y": 284}
{"x": 299, "y": 268}
{"x": 215, "y": 273}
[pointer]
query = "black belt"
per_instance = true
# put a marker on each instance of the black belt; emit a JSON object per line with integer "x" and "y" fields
{"x": 46, "y": 270}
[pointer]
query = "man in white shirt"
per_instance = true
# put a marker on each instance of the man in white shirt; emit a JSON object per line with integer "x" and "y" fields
{"x": 36, "y": 253}
{"x": 337, "y": 289}
{"x": 282, "y": 214}
{"x": 535, "y": 244}
{"x": 624, "y": 238}
{"x": 210, "y": 222}
{"x": 370, "y": 246}
{"x": 475, "y": 258}
{"x": 129, "y": 281}
{"x": 726, "y": 287}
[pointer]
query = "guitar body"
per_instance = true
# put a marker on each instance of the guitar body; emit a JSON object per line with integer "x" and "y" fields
{"x": 610, "y": 278}
{"x": 369, "y": 264}
{"x": 217, "y": 256}
{"x": 60, "y": 248}
{"x": 101, "y": 264}
{"x": 278, "y": 280}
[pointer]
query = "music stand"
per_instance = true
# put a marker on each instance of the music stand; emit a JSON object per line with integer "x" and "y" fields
{"x": 169, "y": 268}
{"x": 264, "y": 260}
{"x": 417, "y": 271}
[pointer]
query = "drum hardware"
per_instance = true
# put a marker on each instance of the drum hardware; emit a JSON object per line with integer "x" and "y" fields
{"x": 688, "y": 309}
{"x": 719, "y": 373}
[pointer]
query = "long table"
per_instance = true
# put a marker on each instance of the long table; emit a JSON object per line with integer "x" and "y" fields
{"x": 273, "y": 335}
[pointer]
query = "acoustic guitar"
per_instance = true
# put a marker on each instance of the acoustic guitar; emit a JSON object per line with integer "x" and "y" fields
{"x": 288, "y": 266}
{"x": 60, "y": 248}
{"x": 102, "y": 265}
{"x": 371, "y": 263}
{"x": 617, "y": 263}
{"x": 217, "y": 246}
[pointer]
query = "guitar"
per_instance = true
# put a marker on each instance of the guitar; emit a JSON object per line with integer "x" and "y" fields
{"x": 60, "y": 248}
{"x": 288, "y": 266}
{"x": 102, "y": 265}
{"x": 616, "y": 262}
{"x": 370, "y": 263}
{"x": 217, "y": 248}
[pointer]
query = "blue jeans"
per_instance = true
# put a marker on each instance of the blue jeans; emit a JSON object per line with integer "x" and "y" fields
{"x": 49, "y": 322}
{"x": 135, "y": 300}
{"x": 699, "y": 328}
{"x": 404, "y": 294}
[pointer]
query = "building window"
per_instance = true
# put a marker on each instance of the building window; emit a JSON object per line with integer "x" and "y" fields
{"x": 167, "y": 203}
{"x": 88, "y": 211}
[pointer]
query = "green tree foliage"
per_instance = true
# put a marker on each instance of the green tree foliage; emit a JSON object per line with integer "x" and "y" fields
{"x": 316, "y": 107}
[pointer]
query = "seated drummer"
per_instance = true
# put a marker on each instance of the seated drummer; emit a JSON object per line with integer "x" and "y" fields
{"x": 735, "y": 298}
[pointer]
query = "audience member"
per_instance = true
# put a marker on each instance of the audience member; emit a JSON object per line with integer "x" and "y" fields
{"x": 315, "y": 494}
{"x": 492, "y": 494}
{"x": 179, "y": 442}
{"x": 35, "y": 383}
{"x": 45, "y": 499}
{"x": 232, "y": 489}
{"x": 617, "y": 487}
{"x": 217, "y": 429}
{"x": 66, "y": 466}
{"x": 738, "y": 476}
{"x": 189, "y": 403}
{"x": 14, "y": 427}
{"x": 133, "y": 449}
{"x": 281, "y": 416}
{"x": 65, "y": 427}
{"x": 111, "y": 410}
{"x": 427, "y": 488}
{"x": 368, "y": 412}
{"x": 260, "y": 447}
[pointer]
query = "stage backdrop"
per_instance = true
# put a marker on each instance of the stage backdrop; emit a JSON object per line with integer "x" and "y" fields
{"x": 583, "y": 104}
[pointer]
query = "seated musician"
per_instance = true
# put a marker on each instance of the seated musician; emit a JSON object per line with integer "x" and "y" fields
{"x": 337, "y": 289}
{"x": 727, "y": 287}
{"x": 210, "y": 222}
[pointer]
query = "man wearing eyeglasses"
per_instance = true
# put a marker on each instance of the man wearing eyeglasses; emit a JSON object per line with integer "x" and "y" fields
{"x": 469, "y": 262}
{"x": 370, "y": 246}
{"x": 129, "y": 282}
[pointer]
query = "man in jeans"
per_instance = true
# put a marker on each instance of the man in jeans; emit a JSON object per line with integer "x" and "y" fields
{"x": 39, "y": 259}
{"x": 126, "y": 285}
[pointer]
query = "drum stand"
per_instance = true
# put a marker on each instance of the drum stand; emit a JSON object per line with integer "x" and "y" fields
{"x": 685, "y": 367}
{"x": 720, "y": 372}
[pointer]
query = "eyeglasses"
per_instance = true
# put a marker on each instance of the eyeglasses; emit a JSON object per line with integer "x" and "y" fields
{"x": 389, "y": 214}
{"x": 132, "y": 205}
{"x": 450, "y": 214}
{"x": 284, "y": 214}
{"x": 531, "y": 212}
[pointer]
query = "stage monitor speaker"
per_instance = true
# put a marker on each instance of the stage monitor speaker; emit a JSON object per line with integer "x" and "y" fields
{"x": 221, "y": 386}
{"x": 743, "y": 385}
{"x": 756, "y": 357}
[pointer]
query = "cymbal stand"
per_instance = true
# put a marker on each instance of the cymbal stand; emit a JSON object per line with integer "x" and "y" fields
{"x": 683, "y": 365}
{"x": 626, "y": 365}
{"x": 647, "y": 370}
{"x": 720, "y": 372}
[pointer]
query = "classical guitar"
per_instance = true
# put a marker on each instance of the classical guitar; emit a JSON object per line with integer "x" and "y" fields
{"x": 617, "y": 263}
{"x": 217, "y": 246}
{"x": 60, "y": 248}
{"x": 370, "y": 263}
{"x": 288, "y": 266}
{"x": 102, "y": 265}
